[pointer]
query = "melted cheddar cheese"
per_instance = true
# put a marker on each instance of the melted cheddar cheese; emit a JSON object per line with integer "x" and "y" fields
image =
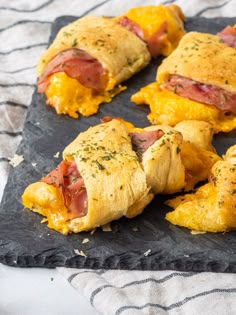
{"x": 48, "y": 201}
{"x": 196, "y": 160}
{"x": 152, "y": 17}
{"x": 70, "y": 97}
{"x": 169, "y": 108}
{"x": 212, "y": 207}
{"x": 197, "y": 163}
{"x": 194, "y": 213}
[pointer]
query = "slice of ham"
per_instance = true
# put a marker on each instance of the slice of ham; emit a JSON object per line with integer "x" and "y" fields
{"x": 77, "y": 64}
{"x": 71, "y": 185}
{"x": 131, "y": 26}
{"x": 228, "y": 36}
{"x": 141, "y": 141}
{"x": 207, "y": 94}
{"x": 154, "y": 43}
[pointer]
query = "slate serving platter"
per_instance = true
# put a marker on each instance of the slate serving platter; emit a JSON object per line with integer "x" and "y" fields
{"x": 25, "y": 242}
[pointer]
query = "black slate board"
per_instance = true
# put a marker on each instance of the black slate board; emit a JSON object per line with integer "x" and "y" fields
{"x": 25, "y": 242}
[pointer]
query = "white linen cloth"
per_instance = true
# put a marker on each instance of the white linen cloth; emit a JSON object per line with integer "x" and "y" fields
{"x": 24, "y": 32}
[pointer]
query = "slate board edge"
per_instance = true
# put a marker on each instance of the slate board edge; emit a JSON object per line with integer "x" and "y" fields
{"x": 115, "y": 264}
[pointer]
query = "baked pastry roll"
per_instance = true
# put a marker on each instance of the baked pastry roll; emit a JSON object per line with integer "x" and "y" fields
{"x": 99, "y": 180}
{"x": 174, "y": 161}
{"x": 160, "y": 158}
{"x": 161, "y": 27}
{"x": 114, "y": 169}
{"x": 90, "y": 57}
{"x": 196, "y": 82}
{"x": 212, "y": 207}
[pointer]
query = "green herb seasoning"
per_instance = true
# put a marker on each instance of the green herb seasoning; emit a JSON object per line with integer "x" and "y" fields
{"x": 178, "y": 150}
{"x": 74, "y": 43}
{"x": 99, "y": 165}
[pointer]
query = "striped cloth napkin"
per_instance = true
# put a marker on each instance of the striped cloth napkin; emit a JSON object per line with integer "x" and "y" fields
{"x": 24, "y": 32}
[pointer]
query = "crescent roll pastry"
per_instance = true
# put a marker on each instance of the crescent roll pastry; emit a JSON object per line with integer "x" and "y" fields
{"x": 212, "y": 207}
{"x": 197, "y": 81}
{"x": 199, "y": 133}
{"x": 86, "y": 62}
{"x": 172, "y": 160}
{"x": 99, "y": 180}
{"x": 173, "y": 164}
{"x": 90, "y": 57}
{"x": 161, "y": 27}
{"x": 162, "y": 161}
{"x": 113, "y": 170}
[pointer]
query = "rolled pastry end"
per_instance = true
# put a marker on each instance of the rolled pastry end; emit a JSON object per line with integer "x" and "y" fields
{"x": 47, "y": 200}
{"x": 88, "y": 51}
{"x": 99, "y": 180}
{"x": 212, "y": 207}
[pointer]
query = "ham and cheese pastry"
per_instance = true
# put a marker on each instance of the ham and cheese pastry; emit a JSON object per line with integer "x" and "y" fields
{"x": 196, "y": 82}
{"x": 161, "y": 160}
{"x": 185, "y": 154}
{"x": 99, "y": 180}
{"x": 174, "y": 159}
{"x": 212, "y": 207}
{"x": 90, "y": 57}
{"x": 114, "y": 169}
{"x": 161, "y": 27}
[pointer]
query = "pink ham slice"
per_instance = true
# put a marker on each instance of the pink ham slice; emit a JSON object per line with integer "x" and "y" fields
{"x": 68, "y": 179}
{"x": 154, "y": 43}
{"x": 228, "y": 36}
{"x": 131, "y": 26}
{"x": 203, "y": 93}
{"x": 141, "y": 141}
{"x": 77, "y": 64}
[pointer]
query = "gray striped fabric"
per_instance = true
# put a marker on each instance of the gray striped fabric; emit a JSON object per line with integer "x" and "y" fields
{"x": 24, "y": 31}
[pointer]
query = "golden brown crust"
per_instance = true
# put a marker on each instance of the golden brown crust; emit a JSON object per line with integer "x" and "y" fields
{"x": 115, "y": 181}
{"x": 230, "y": 155}
{"x": 119, "y": 51}
{"x": 162, "y": 162}
{"x": 203, "y": 58}
{"x": 212, "y": 207}
{"x": 198, "y": 132}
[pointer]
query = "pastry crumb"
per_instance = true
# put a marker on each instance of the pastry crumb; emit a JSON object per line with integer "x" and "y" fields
{"x": 16, "y": 160}
{"x": 135, "y": 229}
{"x": 56, "y": 155}
{"x": 106, "y": 227}
{"x": 80, "y": 253}
{"x": 93, "y": 231}
{"x": 193, "y": 232}
{"x": 85, "y": 240}
{"x": 33, "y": 164}
{"x": 147, "y": 252}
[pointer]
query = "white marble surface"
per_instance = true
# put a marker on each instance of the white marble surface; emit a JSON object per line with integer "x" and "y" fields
{"x": 38, "y": 291}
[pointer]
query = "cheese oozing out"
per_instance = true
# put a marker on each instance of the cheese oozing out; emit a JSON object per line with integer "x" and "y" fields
{"x": 151, "y": 19}
{"x": 69, "y": 96}
{"x": 170, "y": 108}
